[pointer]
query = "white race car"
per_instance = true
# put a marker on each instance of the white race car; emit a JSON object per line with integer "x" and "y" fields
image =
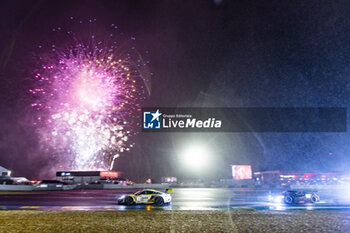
{"x": 146, "y": 196}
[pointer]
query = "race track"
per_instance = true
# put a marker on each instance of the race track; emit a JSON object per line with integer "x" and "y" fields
{"x": 183, "y": 199}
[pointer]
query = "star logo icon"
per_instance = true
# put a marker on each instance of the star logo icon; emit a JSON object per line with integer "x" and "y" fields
{"x": 156, "y": 115}
{"x": 151, "y": 119}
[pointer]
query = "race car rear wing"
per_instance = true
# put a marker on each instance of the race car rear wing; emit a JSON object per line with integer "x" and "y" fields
{"x": 168, "y": 190}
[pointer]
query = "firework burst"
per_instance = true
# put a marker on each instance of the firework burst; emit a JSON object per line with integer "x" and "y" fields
{"x": 87, "y": 95}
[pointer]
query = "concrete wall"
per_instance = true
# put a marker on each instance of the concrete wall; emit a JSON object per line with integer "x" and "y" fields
{"x": 136, "y": 186}
{"x": 319, "y": 187}
{"x": 16, "y": 187}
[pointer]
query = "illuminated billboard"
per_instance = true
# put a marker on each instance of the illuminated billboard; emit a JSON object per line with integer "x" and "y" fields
{"x": 241, "y": 172}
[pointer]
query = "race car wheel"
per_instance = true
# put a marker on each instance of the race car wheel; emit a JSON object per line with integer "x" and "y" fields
{"x": 314, "y": 198}
{"x": 159, "y": 201}
{"x": 288, "y": 199}
{"x": 129, "y": 201}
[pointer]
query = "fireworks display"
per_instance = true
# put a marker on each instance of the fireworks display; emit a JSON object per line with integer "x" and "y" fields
{"x": 87, "y": 97}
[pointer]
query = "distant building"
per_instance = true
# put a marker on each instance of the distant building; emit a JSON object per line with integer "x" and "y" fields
{"x": 4, "y": 172}
{"x": 283, "y": 178}
{"x": 5, "y": 176}
{"x": 89, "y": 177}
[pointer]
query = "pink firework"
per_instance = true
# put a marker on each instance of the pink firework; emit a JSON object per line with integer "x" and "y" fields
{"x": 87, "y": 96}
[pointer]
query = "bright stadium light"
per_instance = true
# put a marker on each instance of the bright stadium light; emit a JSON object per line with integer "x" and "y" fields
{"x": 196, "y": 157}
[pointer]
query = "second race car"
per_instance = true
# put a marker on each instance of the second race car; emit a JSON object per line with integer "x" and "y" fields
{"x": 295, "y": 197}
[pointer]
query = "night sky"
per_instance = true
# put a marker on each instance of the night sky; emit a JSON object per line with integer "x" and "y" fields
{"x": 201, "y": 53}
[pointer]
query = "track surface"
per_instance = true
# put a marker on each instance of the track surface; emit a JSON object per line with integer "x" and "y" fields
{"x": 183, "y": 199}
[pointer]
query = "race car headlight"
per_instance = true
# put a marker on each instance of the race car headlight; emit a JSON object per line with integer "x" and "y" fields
{"x": 270, "y": 198}
{"x": 276, "y": 199}
{"x": 308, "y": 195}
